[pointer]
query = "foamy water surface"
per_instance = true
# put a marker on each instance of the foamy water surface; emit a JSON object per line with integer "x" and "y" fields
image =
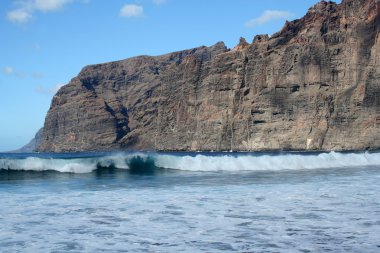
{"x": 287, "y": 202}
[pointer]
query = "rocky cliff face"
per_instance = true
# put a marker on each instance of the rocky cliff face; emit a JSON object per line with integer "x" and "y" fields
{"x": 315, "y": 85}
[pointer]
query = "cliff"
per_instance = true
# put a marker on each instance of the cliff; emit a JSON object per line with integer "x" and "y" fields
{"x": 315, "y": 85}
{"x": 32, "y": 145}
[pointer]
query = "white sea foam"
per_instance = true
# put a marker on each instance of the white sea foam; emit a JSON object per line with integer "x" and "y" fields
{"x": 287, "y": 161}
{"x": 41, "y": 164}
{"x": 71, "y": 165}
{"x": 200, "y": 162}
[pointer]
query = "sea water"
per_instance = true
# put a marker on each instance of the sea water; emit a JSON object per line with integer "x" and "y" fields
{"x": 190, "y": 202}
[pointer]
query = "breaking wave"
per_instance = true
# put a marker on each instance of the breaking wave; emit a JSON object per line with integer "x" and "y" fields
{"x": 149, "y": 162}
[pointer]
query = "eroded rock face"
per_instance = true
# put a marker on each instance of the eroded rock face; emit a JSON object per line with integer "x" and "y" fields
{"x": 315, "y": 85}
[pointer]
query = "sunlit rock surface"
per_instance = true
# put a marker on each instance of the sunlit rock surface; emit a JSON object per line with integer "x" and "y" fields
{"x": 314, "y": 85}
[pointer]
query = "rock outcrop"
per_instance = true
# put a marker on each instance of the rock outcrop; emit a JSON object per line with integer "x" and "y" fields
{"x": 315, "y": 85}
{"x": 32, "y": 145}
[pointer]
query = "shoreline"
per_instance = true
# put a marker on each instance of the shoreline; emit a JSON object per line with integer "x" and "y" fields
{"x": 205, "y": 152}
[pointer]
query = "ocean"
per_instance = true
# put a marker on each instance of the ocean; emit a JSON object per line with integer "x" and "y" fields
{"x": 190, "y": 202}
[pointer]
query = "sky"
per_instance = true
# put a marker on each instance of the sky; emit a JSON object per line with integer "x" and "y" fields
{"x": 45, "y": 43}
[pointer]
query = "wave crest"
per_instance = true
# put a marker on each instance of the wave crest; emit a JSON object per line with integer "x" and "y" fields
{"x": 148, "y": 162}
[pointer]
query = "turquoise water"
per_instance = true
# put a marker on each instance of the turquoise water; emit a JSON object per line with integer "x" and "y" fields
{"x": 190, "y": 202}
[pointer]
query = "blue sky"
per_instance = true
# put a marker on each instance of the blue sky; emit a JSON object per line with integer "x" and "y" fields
{"x": 45, "y": 43}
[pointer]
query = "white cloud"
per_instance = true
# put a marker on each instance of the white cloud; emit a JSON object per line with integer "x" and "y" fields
{"x": 48, "y": 90}
{"x": 25, "y": 9}
{"x": 37, "y": 75}
{"x": 50, "y": 5}
{"x": 43, "y": 90}
{"x": 159, "y": 2}
{"x": 131, "y": 10}
{"x": 268, "y": 16}
{"x": 8, "y": 70}
{"x": 12, "y": 72}
{"x": 56, "y": 88}
{"x": 19, "y": 16}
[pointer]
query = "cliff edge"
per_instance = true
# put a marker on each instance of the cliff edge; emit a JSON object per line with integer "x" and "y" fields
{"x": 314, "y": 85}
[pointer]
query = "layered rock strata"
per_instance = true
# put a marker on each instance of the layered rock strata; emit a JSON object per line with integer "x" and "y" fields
{"x": 315, "y": 85}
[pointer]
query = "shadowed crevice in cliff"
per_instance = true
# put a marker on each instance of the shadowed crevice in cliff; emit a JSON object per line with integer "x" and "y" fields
{"x": 121, "y": 123}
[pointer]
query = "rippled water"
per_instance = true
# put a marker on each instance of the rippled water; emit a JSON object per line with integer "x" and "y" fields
{"x": 114, "y": 210}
